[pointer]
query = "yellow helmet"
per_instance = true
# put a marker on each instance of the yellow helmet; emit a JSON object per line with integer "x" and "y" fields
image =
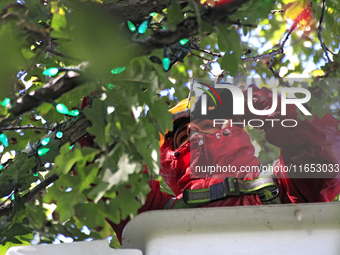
{"x": 180, "y": 110}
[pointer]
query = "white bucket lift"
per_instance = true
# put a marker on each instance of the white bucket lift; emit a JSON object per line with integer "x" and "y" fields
{"x": 269, "y": 229}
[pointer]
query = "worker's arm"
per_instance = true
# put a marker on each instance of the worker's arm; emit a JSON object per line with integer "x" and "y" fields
{"x": 311, "y": 145}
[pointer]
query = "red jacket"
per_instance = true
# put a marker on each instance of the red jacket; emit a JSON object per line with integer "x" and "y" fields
{"x": 310, "y": 142}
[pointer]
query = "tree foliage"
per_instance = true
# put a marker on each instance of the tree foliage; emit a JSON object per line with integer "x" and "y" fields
{"x": 51, "y": 190}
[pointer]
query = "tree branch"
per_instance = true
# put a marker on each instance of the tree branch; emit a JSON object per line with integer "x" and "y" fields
{"x": 266, "y": 55}
{"x": 132, "y": 10}
{"x": 325, "y": 49}
{"x": 275, "y": 11}
{"x": 196, "y": 55}
{"x": 296, "y": 22}
{"x": 292, "y": 28}
{"x": 49, "y": 92}
{"x": 7, "y": 209}
{"x": 189, "y": 27}
{"x": 241, "y": 24}
{"x": 210, "y": 52}
{"x": 26, "y": 127}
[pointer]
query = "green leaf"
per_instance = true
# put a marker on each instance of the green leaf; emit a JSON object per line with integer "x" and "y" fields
{"x": 222, "y": 37}
{"x": 17, "y": 224}
{"x": 27, "y": 54}
{"x": 229, "y": 41}
{"x": 175, "y": 14}
{"x": 58, "y": 21}
{"x": 104, "y": 54}
{"x": 93, "y": 215}
{"x": 67, "y": 158}
{"x": 10, "y": 49}
{"x": 97, "y": 115}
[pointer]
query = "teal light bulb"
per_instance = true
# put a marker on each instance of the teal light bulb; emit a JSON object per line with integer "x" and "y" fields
{"x": 43, "y": 151}
{"x": 183, "y": 41}
{"x": 117, "y": 70}
{"x": 152, "y": 14}
{"x": 4, "y": 139}
{"x": 142, "y": 27}
{"x": 166, "y": 63}
{"x": 71, "y": 147}
{"x": 5, "y": 102}
{"x": 45, "y": 141}
{"x": 131, "y": 26}
{"x": 62, "y": 109}
{"x": 111, "y": 86}
{"x": 51, "y": 71}
{"x": 73, "y": 113}
{"x": 36, "y": 175}
{"x": 1, "y": 166}
{"x": 59, "y": 134}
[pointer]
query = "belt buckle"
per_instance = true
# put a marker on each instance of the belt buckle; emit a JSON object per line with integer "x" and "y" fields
{"x": 227, "y": 187}
{"x": 275, "y": 192}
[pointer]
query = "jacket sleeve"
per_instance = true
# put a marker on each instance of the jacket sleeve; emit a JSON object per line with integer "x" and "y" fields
{"x": 311, "y": 143}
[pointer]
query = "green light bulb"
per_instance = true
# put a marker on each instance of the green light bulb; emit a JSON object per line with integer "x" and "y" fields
{"x": 111, "y": 86}
{"x": 1, "y": 166}
{"x": 3, "y": 139}
{"x": 117, "y": 70}
{"x": 13, "y": 197}
{"x": 166, "y": 63}
{"x": 73, "y": 113}
{"x": 35, "y": 175}
{"x": 152, "y": 14}
{"x": 183, "y": 41}
{"x": 45, "y": 141}
{"x": 59, "y": 134}
{"x": 43, "y": 151}
{"x": 142, "y": 27}
{"x": 62, "y": 109}
{"x": 131, "y": 26}
{"x": 5, "y": 102}
{"x": 164, "y": 28}
{"x": 71, "y": 147}
{"x": 51, "y": 71}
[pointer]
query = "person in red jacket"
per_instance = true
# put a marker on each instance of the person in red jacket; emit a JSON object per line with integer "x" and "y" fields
{"x": 195, "y": 142}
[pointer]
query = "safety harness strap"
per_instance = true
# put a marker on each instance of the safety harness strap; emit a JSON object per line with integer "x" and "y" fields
{"x": 265, "y": 187}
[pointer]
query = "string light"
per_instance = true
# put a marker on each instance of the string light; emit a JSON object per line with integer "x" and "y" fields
{"x": 4, "y": 139}
{"x": 61, "y": 108}
{"x": 131, "y": 26}
{"x": 152, "y": 14}
{"x": 166, "y": 63}
{"x": 12, "y": 197}
{"x": 183, "y": 41}
{"x": 5, "y": 102}
{"x": 73, "y": 113}
{"x": 111, "y": 86}
{"x": 142, "y": 27}
{"x": 1, "y": 166}
{"x": 45, "y": 141}
{"x": 166, "y": 60}
{"x": 51, "y": 71}
{"x": 35, "y": 175}
{"x": 59, "y": 134}
{"x": 43, "y": 151}
{"x": 117, "y": 70}
{"x": 71, "y": 147}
